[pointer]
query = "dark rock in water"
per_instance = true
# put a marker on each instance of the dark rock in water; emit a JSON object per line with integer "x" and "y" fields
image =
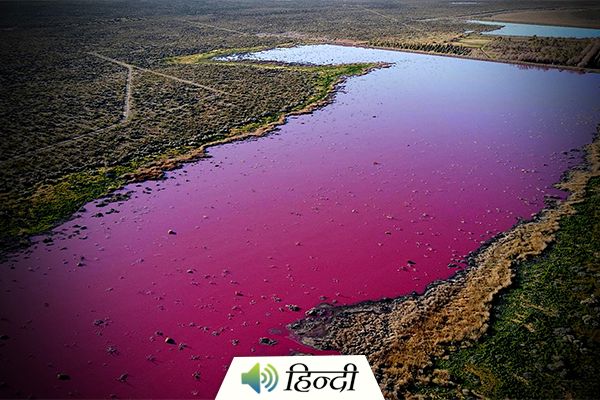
{"x": 293, "y": 307}
{"x": 4, "y": 337}
{"x": 113, "y": 199}
{"x": 267, "y": 341}
{"x": 123, "y": 378}
{"x": 103, "y": 203}
{"x": 63, "y": 377}
{"x": 196, "y": 375}
{"x": 169, "y": 340}
{"x": 171, "y": 232}
{"x": 315, "y": 312}
{"x": 411, "y": 262}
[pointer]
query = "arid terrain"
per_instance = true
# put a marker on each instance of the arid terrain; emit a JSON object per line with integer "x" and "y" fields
{"x": 89, "y": 94}
{"x": 95, "y": 95}
{"x": 584, "y": 17}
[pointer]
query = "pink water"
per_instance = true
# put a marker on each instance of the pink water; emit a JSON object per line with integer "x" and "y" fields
{"x": 422, "y": 162}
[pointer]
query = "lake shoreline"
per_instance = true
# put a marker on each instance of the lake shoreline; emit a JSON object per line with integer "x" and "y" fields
{"x": 194, "y": 226}
{"x": 155, "y": 170}
{"x": 535, "y": 17}
{"x": 401, "y": 336}
{"x": 516, "y": 63}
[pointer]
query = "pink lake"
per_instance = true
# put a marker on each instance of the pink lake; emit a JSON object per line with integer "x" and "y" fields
{"x": 422, "y": 161}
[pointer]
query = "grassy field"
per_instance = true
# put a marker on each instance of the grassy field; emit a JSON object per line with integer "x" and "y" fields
{"x": 543, "y": 340}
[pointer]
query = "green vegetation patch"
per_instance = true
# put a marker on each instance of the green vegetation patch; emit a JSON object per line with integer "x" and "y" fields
{"x": 323, "y": 77}
{"x": 326, "y": 78}
{"x": 50, "y": 204}
{"x": 544, "y": 337}
{"x": 209, "y": 56}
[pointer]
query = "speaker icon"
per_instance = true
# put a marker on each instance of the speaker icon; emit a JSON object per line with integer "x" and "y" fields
{"x": 268, "y": 378}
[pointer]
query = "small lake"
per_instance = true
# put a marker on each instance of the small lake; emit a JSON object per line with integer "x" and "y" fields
{"x": 513, "y": 29}
{"x": 378, "y": 194}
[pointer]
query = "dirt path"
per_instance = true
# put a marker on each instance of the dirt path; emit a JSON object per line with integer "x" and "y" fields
{"x": 219, "y": 28}
{"x": 171, "y": 77}
{"x": 126, "y": 106}
{"x": 391, "y": 18}
{"x": 126, "y": 117}
{"x": 65, "y": 141}
{"x": 485, "y": 53}
{"x": 128, "y": 90}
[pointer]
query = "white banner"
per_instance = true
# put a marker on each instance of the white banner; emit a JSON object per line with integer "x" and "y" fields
{"x": 300, "y": 377}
